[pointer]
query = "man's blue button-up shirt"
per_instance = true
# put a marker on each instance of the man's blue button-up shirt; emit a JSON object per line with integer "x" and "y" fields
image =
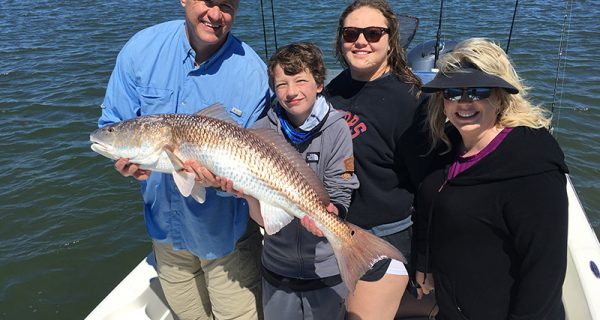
{"x": 155, "y": 73}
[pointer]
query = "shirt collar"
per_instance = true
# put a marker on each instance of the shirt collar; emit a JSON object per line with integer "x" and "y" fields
{"x": 318, "y": 113}
{"x": 189, "y": 53}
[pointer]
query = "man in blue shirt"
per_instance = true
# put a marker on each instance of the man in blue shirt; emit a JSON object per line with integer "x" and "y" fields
{"x": 207, "y": 254}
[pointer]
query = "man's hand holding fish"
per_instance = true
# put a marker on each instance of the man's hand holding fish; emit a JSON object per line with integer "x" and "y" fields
{"x": 127, "y": 169}
{"x": 203, "y": 175}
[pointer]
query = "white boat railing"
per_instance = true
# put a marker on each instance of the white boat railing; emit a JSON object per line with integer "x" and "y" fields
{"x": 581, "y": 290}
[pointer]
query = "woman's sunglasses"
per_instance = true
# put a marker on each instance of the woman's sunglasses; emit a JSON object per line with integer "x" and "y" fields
{"x": 372, "y": 34}
{"x": 469, "y": 94}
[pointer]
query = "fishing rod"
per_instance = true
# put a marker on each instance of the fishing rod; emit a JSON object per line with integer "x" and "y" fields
{"x": 262, "y": 14}
{"x": 274, "y": 28}
{"x": 562, "y": 58}
{"x": 264, "y": 25}
{"x": 512, "y": 25}
{"x": 562, "y": 50}
{"x": 438, "y": 36}
{"x": 561, "y": 65}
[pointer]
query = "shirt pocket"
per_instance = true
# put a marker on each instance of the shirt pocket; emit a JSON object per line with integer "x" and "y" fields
{"x": 155, "y": 100}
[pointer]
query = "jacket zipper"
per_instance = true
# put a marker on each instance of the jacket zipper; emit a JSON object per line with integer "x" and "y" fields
{"x": 299, "y": 249}
{"x": 458, "y": 308}
{"x": 429, "y": 218}
{"x": 443, "y": 185}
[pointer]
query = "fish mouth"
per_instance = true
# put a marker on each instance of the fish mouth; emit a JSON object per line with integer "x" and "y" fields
{"x": 102, "y": 148}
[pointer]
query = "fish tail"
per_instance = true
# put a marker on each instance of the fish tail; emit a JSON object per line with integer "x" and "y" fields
{"x": 357, "y": 256}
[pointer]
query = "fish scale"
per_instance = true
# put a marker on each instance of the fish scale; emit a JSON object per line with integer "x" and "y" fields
{"x": 259, "y": 162}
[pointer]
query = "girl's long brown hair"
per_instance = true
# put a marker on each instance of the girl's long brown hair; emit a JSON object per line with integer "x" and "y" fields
{"x": 396, "y": 57}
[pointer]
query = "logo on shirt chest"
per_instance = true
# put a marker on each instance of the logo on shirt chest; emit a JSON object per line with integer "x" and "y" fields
{"x": 236, "y": 111}
{"x": 312, "y": 157}
{"x": 355, "y": 123}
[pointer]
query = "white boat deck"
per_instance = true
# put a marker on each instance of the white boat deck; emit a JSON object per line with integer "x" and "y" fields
{"x": 138, "y": 297}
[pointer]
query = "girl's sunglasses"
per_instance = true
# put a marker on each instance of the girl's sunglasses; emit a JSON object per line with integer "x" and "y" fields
{"x": 469, "y": 94}
{"x": 372, "y": 34}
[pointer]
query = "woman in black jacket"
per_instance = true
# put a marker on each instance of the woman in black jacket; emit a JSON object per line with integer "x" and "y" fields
{"x": 492, "y": 226}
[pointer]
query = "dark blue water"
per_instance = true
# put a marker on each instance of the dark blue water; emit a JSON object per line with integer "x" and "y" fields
{"x": 70, "y": 225}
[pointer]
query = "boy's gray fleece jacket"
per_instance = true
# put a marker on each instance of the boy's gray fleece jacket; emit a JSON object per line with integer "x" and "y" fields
{"x": 294, "y": 252}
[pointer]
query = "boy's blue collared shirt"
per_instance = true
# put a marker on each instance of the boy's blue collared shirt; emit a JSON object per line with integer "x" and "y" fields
{"x": 155, "y": 73}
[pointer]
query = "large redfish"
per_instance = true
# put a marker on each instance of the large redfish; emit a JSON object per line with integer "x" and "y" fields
{"x": 257, "y": 161}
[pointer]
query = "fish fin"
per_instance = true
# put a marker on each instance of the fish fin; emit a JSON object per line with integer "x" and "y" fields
{"x": 170, "y": 151}
{"x": 185, "y": 182}
{"x": 199, "y": 193}
{"x": 217, "y": 111}
{"x": 274, "y": 218}
{"x": 292, "y": 155}
{"x": 357, "y": 255}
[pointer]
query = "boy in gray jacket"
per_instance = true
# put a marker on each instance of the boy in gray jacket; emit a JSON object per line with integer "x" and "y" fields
{"x": 301, "y": 278}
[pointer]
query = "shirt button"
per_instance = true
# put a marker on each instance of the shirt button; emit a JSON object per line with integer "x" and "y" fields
{"x": 183, "y": 103}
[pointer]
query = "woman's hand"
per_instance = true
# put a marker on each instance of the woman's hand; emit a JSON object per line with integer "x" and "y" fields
{"x": 127, "y": 169}
{"x": 425, "y": 286}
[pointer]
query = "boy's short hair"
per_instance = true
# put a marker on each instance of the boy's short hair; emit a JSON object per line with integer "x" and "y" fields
{"x": 295, "y": 58}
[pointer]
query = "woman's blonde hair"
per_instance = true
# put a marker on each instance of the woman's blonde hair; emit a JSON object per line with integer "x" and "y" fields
{"x": 514, "y": 109}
